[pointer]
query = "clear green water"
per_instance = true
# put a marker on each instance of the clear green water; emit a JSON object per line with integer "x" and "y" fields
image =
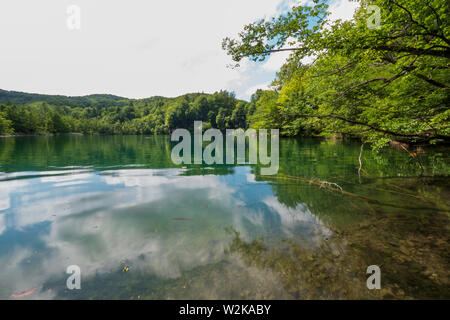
{"x": 223, "y": 232}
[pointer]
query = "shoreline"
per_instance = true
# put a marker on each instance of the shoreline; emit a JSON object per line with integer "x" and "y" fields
{"x": 13, "y": 135}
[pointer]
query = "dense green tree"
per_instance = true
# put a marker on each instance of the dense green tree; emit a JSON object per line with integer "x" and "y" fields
{"x": 5, "y": 124}
{"x": 378, "y": 82}
{"x": 155, "y": 115}
{"x": 238, "y": 117}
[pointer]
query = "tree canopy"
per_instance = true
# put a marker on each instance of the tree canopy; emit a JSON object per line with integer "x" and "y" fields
{"x": 380, "y": 83}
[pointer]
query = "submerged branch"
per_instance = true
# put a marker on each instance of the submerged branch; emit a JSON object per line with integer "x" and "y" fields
{"x": 360, "y": 162}
{"x": 329, "y": 186}
{"x": 414, "y": 157}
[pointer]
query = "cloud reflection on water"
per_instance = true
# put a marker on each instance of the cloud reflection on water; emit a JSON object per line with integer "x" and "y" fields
{"x": 100, "y": 220}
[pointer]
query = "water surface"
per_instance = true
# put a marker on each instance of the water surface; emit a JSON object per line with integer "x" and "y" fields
{"x": 220, "y": 232}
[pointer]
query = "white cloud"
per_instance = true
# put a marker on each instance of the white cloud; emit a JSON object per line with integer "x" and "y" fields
{"x": 252, "y": 90}
{"x": 2, "y": 223}
{"x": 292, "y": 217}
{"x": 342, "y": 9}
{"x": 275, "y": 61}
{"x": 7, "y": 188}
{"x": 309, "y": 59}
{"x": 134, "y": 48}
{"x": 129, "y": 48}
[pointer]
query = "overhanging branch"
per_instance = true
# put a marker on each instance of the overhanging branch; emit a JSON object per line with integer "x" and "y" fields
{"x": 426, "y": 135}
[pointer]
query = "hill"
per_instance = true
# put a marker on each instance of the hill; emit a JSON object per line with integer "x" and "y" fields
{"x": 31, "y": 113}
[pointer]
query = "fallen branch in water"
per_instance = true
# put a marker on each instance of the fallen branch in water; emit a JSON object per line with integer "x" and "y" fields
{"x": 402, "y": 192}
{"x": 323, "y": 183}
{"x": 328, "y": 186}
{"x": 360, "y": 162}
{"x": 414, "y": 156}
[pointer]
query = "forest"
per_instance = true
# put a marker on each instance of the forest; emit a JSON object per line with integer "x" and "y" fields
{"x": 24, "y": 113}
{"x": 376, "y": 84}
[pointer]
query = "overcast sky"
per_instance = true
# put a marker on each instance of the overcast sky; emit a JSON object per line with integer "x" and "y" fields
{"x": 134, "y": 48}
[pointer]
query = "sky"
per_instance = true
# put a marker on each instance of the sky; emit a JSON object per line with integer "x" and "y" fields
{"x": 134, "y": 48}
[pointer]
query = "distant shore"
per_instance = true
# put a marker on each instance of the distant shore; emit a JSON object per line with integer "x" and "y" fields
{"x": 12, "y": 135}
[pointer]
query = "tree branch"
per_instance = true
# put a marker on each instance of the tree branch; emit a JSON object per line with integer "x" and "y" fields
{"x": 385, "y": 80}
{"x": 339, "y": 70}
{"x": 417, "y": 51}
{"x": 430, "y": 81}
{"x": 398, "y": 134}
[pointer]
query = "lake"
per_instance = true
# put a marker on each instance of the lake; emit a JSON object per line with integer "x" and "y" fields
{"x": 140, "y": 227}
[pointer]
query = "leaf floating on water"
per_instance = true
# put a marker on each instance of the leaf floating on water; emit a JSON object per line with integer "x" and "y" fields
{"x": 24, "y": 293}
